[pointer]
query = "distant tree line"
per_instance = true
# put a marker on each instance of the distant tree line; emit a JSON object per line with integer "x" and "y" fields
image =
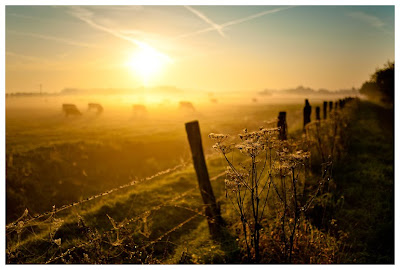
{"x": 380, "y": 86}
{"x": 28, "y": 94}
{"x": 302, "y": 91}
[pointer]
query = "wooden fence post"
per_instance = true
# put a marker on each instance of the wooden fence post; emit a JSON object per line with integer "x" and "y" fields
{"x": 330, "y": 106}
{"x": 341, "y": 103}
{"x": 306, "y": 114}
{"x": 282, "y": 125}
{"x": 317, "y": 115}
{"x": 336, "y": 105}
{"x": 324, "y": 110}
{"x": 212, "y": 209}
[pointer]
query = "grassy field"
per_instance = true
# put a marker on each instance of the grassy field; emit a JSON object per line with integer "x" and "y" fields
{"x": 58, "y": 160}
{"x": 365, "y": 181}
{"x": 54, "y": 160}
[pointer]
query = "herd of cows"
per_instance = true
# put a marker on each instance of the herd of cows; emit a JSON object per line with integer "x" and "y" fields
{"x": 139, "y": 110}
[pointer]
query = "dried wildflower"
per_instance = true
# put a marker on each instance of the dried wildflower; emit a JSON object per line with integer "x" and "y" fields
{"x": 299, "y": 157}
{"x": 55, "y": 225}
{"x": 113, "y": 223}
{"x": 255, "y": 176}
{"x": 20, "y": 226}
{"x": 224, "y": 149}
{"x": 86, "y": 258}
{"x": 290, "y": 159}
{"x": 57, "y": 241}
{"x": 250, "y": 148}
{"x": 218, "y": 137}
{"x": 250, "y": 136}
{"x": 230, "y": 185}
{"x": 232, "y": 176}
{"x": 270, "y": 131}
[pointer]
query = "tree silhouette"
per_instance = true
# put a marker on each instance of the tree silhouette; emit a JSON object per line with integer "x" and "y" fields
{"x": 381, "y": 84}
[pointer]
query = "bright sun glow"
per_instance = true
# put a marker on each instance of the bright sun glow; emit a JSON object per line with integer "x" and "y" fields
{"x": 147, "y": 62}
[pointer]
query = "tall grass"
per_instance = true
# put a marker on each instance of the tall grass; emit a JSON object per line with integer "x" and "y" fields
{"x": 271, "y": 186}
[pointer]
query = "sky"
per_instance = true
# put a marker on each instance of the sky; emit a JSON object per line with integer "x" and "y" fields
{"x": 212, "y": 48}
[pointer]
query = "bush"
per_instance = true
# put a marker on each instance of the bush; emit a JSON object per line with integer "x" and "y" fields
{"x": 381, "y": 84}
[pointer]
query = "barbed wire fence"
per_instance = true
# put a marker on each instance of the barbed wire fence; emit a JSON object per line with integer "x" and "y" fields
{"x": 12, "y": 225}
{"x": 26, "y": 221}
{"x": 64, "y": 207}
{"x": 136, "y": 218}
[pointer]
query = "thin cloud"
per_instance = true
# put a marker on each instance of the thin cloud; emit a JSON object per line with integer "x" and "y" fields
{"x": 254, "y": 16}
{"x": 25, "y": 57}
{"x": 215, "y": 26}
{"x": 56, "y": 39}
{"x": 369, "y": 19}
{"x": 141, "y": 35}
{"x": 23, "y": 16}
{"x": 85, "y": 16}
{"x": 28, "y": 62}
{"x": 373, "y": 21}
{"x": 117, "y": 8}
{"x": 234, "y": 22}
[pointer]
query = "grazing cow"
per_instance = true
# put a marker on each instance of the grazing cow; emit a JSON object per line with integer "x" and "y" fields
{"x": 139, "y": 110}
{"x": 70, "y": 109}
{"x": 187, "y": 106}
{"x": 96, "y": 107}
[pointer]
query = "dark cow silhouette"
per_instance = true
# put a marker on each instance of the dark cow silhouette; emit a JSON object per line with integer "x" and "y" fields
{"x": 186, "y": 105}
{"x": 70, "y": 109}
{"x": 95, "y": 106}
{"x": 139, "y": 110}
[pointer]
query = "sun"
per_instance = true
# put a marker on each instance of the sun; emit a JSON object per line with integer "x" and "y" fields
{"x": 147, "y": 62}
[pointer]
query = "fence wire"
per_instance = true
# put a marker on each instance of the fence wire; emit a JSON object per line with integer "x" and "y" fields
{"x": 125, "y": 223}
{"x": 64, "y": 207}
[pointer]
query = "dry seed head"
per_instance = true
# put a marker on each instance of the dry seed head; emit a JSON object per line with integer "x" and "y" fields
{"x": 20, "y": 227}
{"x": 224, "y": 149}
{"x": 235, "y": 176}
{"x": 299, "y": 157}
{"x": 230, "y": 185}
{"x": 55, "y": 225}
{"x": 113, "y": 223}
{"x": 218, "y": 137}
{"x": 57, "y": 242}
{"x": 250, "y": 148}
{"x": 270, "y": 131}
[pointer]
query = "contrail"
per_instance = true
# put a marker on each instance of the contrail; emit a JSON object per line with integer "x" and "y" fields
{"x": 84, "y": 18}
{"x": 142, "y": 45}
{"x": 28, "y": 57}
{"x": 251, "y": 17}
{"x": 233, "y": 22}
{"x": 62, "y": 40}
{"x": 215, "y": 26}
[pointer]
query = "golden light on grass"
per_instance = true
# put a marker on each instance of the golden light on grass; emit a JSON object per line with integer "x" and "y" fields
{"x": 147, "y": 62}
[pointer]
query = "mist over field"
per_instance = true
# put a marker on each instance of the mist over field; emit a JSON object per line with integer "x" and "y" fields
{"x": 199, "y": 134}
{"x": 62, "y": 158}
